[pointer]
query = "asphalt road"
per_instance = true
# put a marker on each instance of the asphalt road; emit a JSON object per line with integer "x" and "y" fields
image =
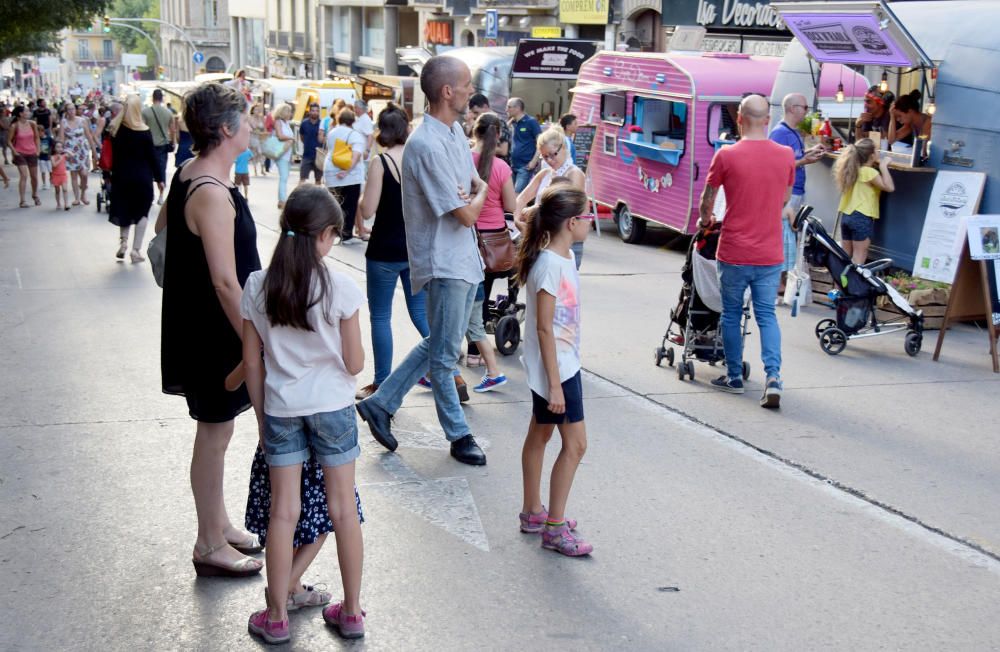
{"x": 860, "y": 516}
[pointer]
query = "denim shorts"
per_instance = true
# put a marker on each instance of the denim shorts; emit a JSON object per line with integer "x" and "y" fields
{"x": 332, "y": 436}
{"x": 856, "y": 227}
{"x": 572, "y": 393}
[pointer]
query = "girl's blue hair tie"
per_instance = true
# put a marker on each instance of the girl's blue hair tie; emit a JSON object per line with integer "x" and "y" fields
{"x": 290, "y": 234}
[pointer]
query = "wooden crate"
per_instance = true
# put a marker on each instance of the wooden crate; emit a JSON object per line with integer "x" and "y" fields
{"x": 933, "y": 315}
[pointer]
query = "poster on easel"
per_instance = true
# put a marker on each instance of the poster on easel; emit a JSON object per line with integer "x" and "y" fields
{"x": 984, "y": 244}
{"x": 954, "y": 198}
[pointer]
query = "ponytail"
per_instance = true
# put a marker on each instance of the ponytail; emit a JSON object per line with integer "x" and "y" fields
{"x": 852, "y": 159}
{"x": 487, "y": 133}
{"x": 295, "y": 267}
{"x": 531, "y": 245}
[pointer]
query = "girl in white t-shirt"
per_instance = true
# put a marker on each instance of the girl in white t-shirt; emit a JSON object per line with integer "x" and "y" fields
{"x": 546, "y": 268}
{"x": 305, "y": 318}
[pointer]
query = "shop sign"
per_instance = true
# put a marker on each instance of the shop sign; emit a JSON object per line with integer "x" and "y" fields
{"x": 584, "y": 12}
{"x": 550, "y": 58}
{"x": 846, "y": 38}
{"x": 954, "y": 197}
{"x": 736, "y": 15}
{"x": 438, "y": 32}
{"x": 546, "y": 32}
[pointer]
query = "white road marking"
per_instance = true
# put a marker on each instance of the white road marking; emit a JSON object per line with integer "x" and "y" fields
{"x": 916, "y": 530}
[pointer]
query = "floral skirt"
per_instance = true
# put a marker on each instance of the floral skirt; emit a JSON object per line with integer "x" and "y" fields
{"x": 314, "y": 520}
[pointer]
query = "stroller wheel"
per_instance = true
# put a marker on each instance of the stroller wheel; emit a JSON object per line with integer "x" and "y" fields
{"x": 689, "y": 369}
{"x": 912, "y": 343}
{"x": 658, "y": 355}
{"x": 746, "y": 370}
{"x": 824, "y": 324}
{"x": 670, "y": 357}
{"x": 508, "y": 335}
{"x": 680, "y": 370}
{"x": 832, "y": 341}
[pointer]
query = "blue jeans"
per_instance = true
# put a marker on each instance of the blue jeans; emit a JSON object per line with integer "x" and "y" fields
{"x": 522, "y": 177}
{"x": 763, "y": 284}
{"x": 283, "y": 165}
{"x": 449, "y": 304}
{"x": 382, "y": 277}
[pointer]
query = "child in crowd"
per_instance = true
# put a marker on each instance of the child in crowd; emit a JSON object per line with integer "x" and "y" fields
{"x": 861, "y": 176}
{"x": 60, "y": 177}
{"x": 546, "y": 268}
{"x": 45, "y": 159}
{"x": 305, "y": 317}
{"x": 241, "y": 175}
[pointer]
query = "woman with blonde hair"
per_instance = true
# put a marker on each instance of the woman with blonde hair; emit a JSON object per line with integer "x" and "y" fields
{"x": 556, "y": 163}
{"x": 283, "y": 132}
{"x": 134, "y": 168}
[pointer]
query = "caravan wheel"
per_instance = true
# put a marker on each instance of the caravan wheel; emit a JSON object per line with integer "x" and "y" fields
{"x": 630, "y": 229}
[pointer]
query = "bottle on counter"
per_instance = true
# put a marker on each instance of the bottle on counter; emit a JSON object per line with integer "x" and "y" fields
{"x": 826, "y": 133}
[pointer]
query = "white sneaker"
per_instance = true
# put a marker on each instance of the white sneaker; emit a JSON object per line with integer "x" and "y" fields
{"x": 159, "y": 201}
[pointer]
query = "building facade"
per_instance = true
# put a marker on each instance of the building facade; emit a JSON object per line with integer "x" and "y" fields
{"x": 248, "y": 30}
{"x": 91, "y": 58}
{"x": 206, "y": 25}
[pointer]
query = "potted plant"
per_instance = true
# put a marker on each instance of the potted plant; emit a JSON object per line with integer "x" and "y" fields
{"x": 635, "y": 133}
{"x": 929, "y": 296}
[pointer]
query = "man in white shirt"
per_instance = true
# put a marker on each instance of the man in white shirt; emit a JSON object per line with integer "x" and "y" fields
{"x": 364, "y": 125}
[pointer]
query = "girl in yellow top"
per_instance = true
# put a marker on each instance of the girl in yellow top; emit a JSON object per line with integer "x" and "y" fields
{"x": 860, "y": 184}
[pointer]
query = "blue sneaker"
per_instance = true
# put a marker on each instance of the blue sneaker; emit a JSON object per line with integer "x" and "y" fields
{"x": 488, "y": 383}
{"x": 424, "y": 382}
{"x": 731, "y": 385}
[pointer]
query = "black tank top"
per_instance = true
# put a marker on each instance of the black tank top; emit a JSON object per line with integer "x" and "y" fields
{"x": 199, "y": 346}
{"x": 387, "y": 243}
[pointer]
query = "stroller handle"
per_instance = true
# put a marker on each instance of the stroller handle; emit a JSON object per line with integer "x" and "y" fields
{"x": 877, "y": 265}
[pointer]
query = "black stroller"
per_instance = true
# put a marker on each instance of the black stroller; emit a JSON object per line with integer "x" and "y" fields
{"x": 694, "y": 322}
{"x": 856, "y": 288}
{"x": 505, "y": 317}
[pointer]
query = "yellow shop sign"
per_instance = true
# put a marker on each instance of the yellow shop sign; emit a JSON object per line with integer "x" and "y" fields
{"x": 584, "y": 12}
{"x": 546, "y": 32}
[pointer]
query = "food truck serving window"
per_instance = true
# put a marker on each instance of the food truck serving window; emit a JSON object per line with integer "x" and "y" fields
{"x": 613, "y": 107}
{"x": 662, "y": 122}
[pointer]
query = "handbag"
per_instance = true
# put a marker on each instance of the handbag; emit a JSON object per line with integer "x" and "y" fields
{"x": 273, "y": 148}
{"x": 156, "y": 253}
{"x": 170, "y": 145}
{"x": 320, "y": 160}
{"x": 497, "y": 250}
{"x": 342, "y": 155}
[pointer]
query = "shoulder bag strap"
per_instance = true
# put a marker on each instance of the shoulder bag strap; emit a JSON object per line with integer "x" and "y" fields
{"x": 152, "y": 110}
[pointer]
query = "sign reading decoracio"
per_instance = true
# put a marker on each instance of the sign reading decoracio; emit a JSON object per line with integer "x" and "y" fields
{"x": 755, "y": 15}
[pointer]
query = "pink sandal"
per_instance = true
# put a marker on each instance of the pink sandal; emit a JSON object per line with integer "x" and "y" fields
{"x": 563, "y": 541}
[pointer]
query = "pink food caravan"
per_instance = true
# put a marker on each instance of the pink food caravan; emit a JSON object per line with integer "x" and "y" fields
{"x": 657, "y": 118}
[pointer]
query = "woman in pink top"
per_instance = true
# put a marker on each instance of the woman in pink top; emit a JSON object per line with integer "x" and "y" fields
{"x": 500, "y": 199}
{"x": 23, "y": 139}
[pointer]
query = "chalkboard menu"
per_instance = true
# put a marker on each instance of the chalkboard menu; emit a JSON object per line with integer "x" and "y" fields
{"x": 583, "y": 141}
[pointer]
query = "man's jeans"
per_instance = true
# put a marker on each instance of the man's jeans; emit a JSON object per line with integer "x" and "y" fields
{"x": 449, "y": 305}
{"x": 522, "y": 177}
{"x": 382, "y": 278}
{"x": 763, "y": 284}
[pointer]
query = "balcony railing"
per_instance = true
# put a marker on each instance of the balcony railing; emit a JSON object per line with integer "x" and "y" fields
{"x": 282, "y": 40}
{"x": 300, "y": 42}
{"x": 272, "y": 39}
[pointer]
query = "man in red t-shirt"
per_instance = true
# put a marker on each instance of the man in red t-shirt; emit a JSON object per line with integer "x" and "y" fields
{"x": 757, "y": 175}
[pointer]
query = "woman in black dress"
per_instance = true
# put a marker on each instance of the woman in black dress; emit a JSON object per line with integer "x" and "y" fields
{"x": 133, "y": 171}
{"x": 211, "y": 250}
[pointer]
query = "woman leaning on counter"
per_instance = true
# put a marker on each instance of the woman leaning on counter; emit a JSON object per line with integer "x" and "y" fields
{"x": 908, "y": 120}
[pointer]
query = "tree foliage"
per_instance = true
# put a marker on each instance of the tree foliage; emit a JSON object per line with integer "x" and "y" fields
{"x": 130, "y": 40}
{"x": 32, "y": 26}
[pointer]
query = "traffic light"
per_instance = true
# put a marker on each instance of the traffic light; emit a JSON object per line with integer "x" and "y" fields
{"x": 107, "y": 24}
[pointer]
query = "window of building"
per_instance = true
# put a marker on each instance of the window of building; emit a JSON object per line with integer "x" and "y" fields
{"x": 84, "y": 49}
{"x": 211, "y": 13}
{"x": 342, "y": 29}
{"x": 253, "y": 42}
{"x": 373, "y": 43}
{"x": 109, "y": 50}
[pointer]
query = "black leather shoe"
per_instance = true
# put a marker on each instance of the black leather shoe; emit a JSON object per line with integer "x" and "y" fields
{"x": 378, "y": 421}
{"x": 467, "y": 451}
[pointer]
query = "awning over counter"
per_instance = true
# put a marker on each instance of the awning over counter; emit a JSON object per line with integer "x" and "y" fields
{"x": 864, "y": 33}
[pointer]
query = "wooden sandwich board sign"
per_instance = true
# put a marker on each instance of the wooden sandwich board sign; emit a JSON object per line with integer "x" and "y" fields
{"x": 971, "y": 300}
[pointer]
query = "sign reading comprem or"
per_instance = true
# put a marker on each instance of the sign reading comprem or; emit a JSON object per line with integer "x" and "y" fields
{"x": 551, "y": 58}
{"x": 584, "y": 12}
